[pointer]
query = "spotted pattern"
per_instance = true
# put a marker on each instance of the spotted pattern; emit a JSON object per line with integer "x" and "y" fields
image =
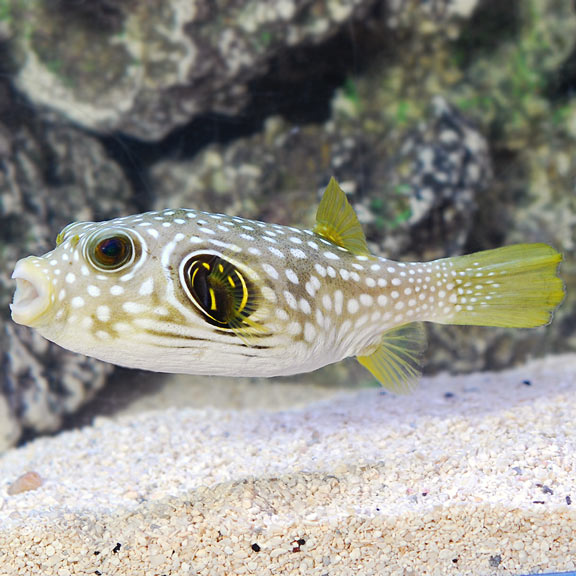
{"x": 313, "y": 295}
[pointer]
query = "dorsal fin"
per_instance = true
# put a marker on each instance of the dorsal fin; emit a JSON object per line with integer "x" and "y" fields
{"x": 337, "y": 222}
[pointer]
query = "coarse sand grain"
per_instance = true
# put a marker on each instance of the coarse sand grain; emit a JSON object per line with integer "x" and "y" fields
{"x": 469, "y": 475}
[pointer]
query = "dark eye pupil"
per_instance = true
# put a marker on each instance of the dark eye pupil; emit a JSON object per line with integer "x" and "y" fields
{"x": 113, "y": 252}
{"x": 112, "y": 249}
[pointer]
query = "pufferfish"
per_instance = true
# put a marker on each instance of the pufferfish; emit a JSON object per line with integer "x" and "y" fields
{"x": 185, "y": 291}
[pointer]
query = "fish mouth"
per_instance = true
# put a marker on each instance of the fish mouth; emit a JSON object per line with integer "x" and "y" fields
{"x": 32, "y": 297}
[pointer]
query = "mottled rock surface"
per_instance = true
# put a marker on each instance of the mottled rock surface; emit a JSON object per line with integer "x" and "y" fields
{"x": 148, "y": 67}
{"x": 50, "y": 175}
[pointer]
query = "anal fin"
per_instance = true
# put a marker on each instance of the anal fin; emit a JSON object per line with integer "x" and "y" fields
{"x": 396, "y": 362}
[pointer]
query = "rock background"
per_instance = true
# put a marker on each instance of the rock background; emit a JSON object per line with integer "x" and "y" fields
{"x": 451, "y": 124}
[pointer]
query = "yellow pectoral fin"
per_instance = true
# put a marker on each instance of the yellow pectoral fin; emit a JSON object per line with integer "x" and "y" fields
{"x": 396, "y": 363}
{"x": 337, "y": 222}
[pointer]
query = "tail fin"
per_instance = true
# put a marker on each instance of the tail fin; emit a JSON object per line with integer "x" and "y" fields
{"x": 515, "y": 286}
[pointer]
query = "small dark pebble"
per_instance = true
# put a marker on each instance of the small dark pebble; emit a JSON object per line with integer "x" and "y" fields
{"x": 96, "y": 552}
{"x": 97, "y": 572}
{"x": 538, "y": 502}
{"x": 256, "y": 547}
{"x": 568, "y": 500}
{"x": 495, "y": 561}
{"x": 297, "y": 543}
{"x": 454, "y": 560}
{"x": 545, "y": 489}
{"x": 449, "y": 394}
{"x": 116, "y": 548}
{"x": 527, "y": 382}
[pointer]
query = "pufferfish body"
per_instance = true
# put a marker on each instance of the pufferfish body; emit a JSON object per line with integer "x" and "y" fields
{"x": 193, "y": 292}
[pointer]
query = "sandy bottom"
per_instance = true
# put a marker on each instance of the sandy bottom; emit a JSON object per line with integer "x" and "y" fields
{"x": 469, "y": 475}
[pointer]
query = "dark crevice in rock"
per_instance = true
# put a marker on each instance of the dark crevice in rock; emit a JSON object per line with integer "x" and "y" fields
{"x": 108, "y": 14}
{"x": 299, "y": 86}
{"x": 562, "y": 84}
{"x": 493, "y": 23}
{"x": 494, "y": 217}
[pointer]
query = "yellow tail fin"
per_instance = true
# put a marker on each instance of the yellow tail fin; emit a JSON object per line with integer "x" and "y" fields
{"x": 515, "y": 286}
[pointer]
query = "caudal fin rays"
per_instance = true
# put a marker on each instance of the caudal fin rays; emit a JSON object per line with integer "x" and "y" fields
{"x": 514, "y": 287}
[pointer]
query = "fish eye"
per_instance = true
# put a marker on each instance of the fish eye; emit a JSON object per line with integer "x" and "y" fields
{"x": 110, "y": 252}
{"x": 218, "y": 289}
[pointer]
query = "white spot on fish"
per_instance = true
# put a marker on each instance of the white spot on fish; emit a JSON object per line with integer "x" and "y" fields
{"x": 103, "y": 313}
{"x": 290, "y": 300}
{"x": 297, "y": 253}
{"x": 282, "y": 314}
{"x": 338, "y": 302}
{"x": 366, "y": 300}
{"x": 291, "y": 275}
{"x": 77, "y": 302}
{"x": 147, "y": 287}
{"x": 134, "y": 307}
{"x": 275, "y": 251}
{"x": 270, "y": 270}
{"x": 309, "y": 332}
{"x": 294, "y": 328}
{"x": 93, "y": 290}
{"x": 353, "y": 306}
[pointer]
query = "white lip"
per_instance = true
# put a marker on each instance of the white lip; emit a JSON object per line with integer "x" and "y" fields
{"x": 32, "y": 296}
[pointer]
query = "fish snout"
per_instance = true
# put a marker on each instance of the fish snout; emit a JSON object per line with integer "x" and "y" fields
{"x": 33, "y": 295}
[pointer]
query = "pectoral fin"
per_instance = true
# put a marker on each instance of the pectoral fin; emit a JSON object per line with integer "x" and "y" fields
{"x": 396, "y": 362}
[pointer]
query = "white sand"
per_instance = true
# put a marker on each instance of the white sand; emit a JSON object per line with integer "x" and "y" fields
{"x": 371, "y": 484}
